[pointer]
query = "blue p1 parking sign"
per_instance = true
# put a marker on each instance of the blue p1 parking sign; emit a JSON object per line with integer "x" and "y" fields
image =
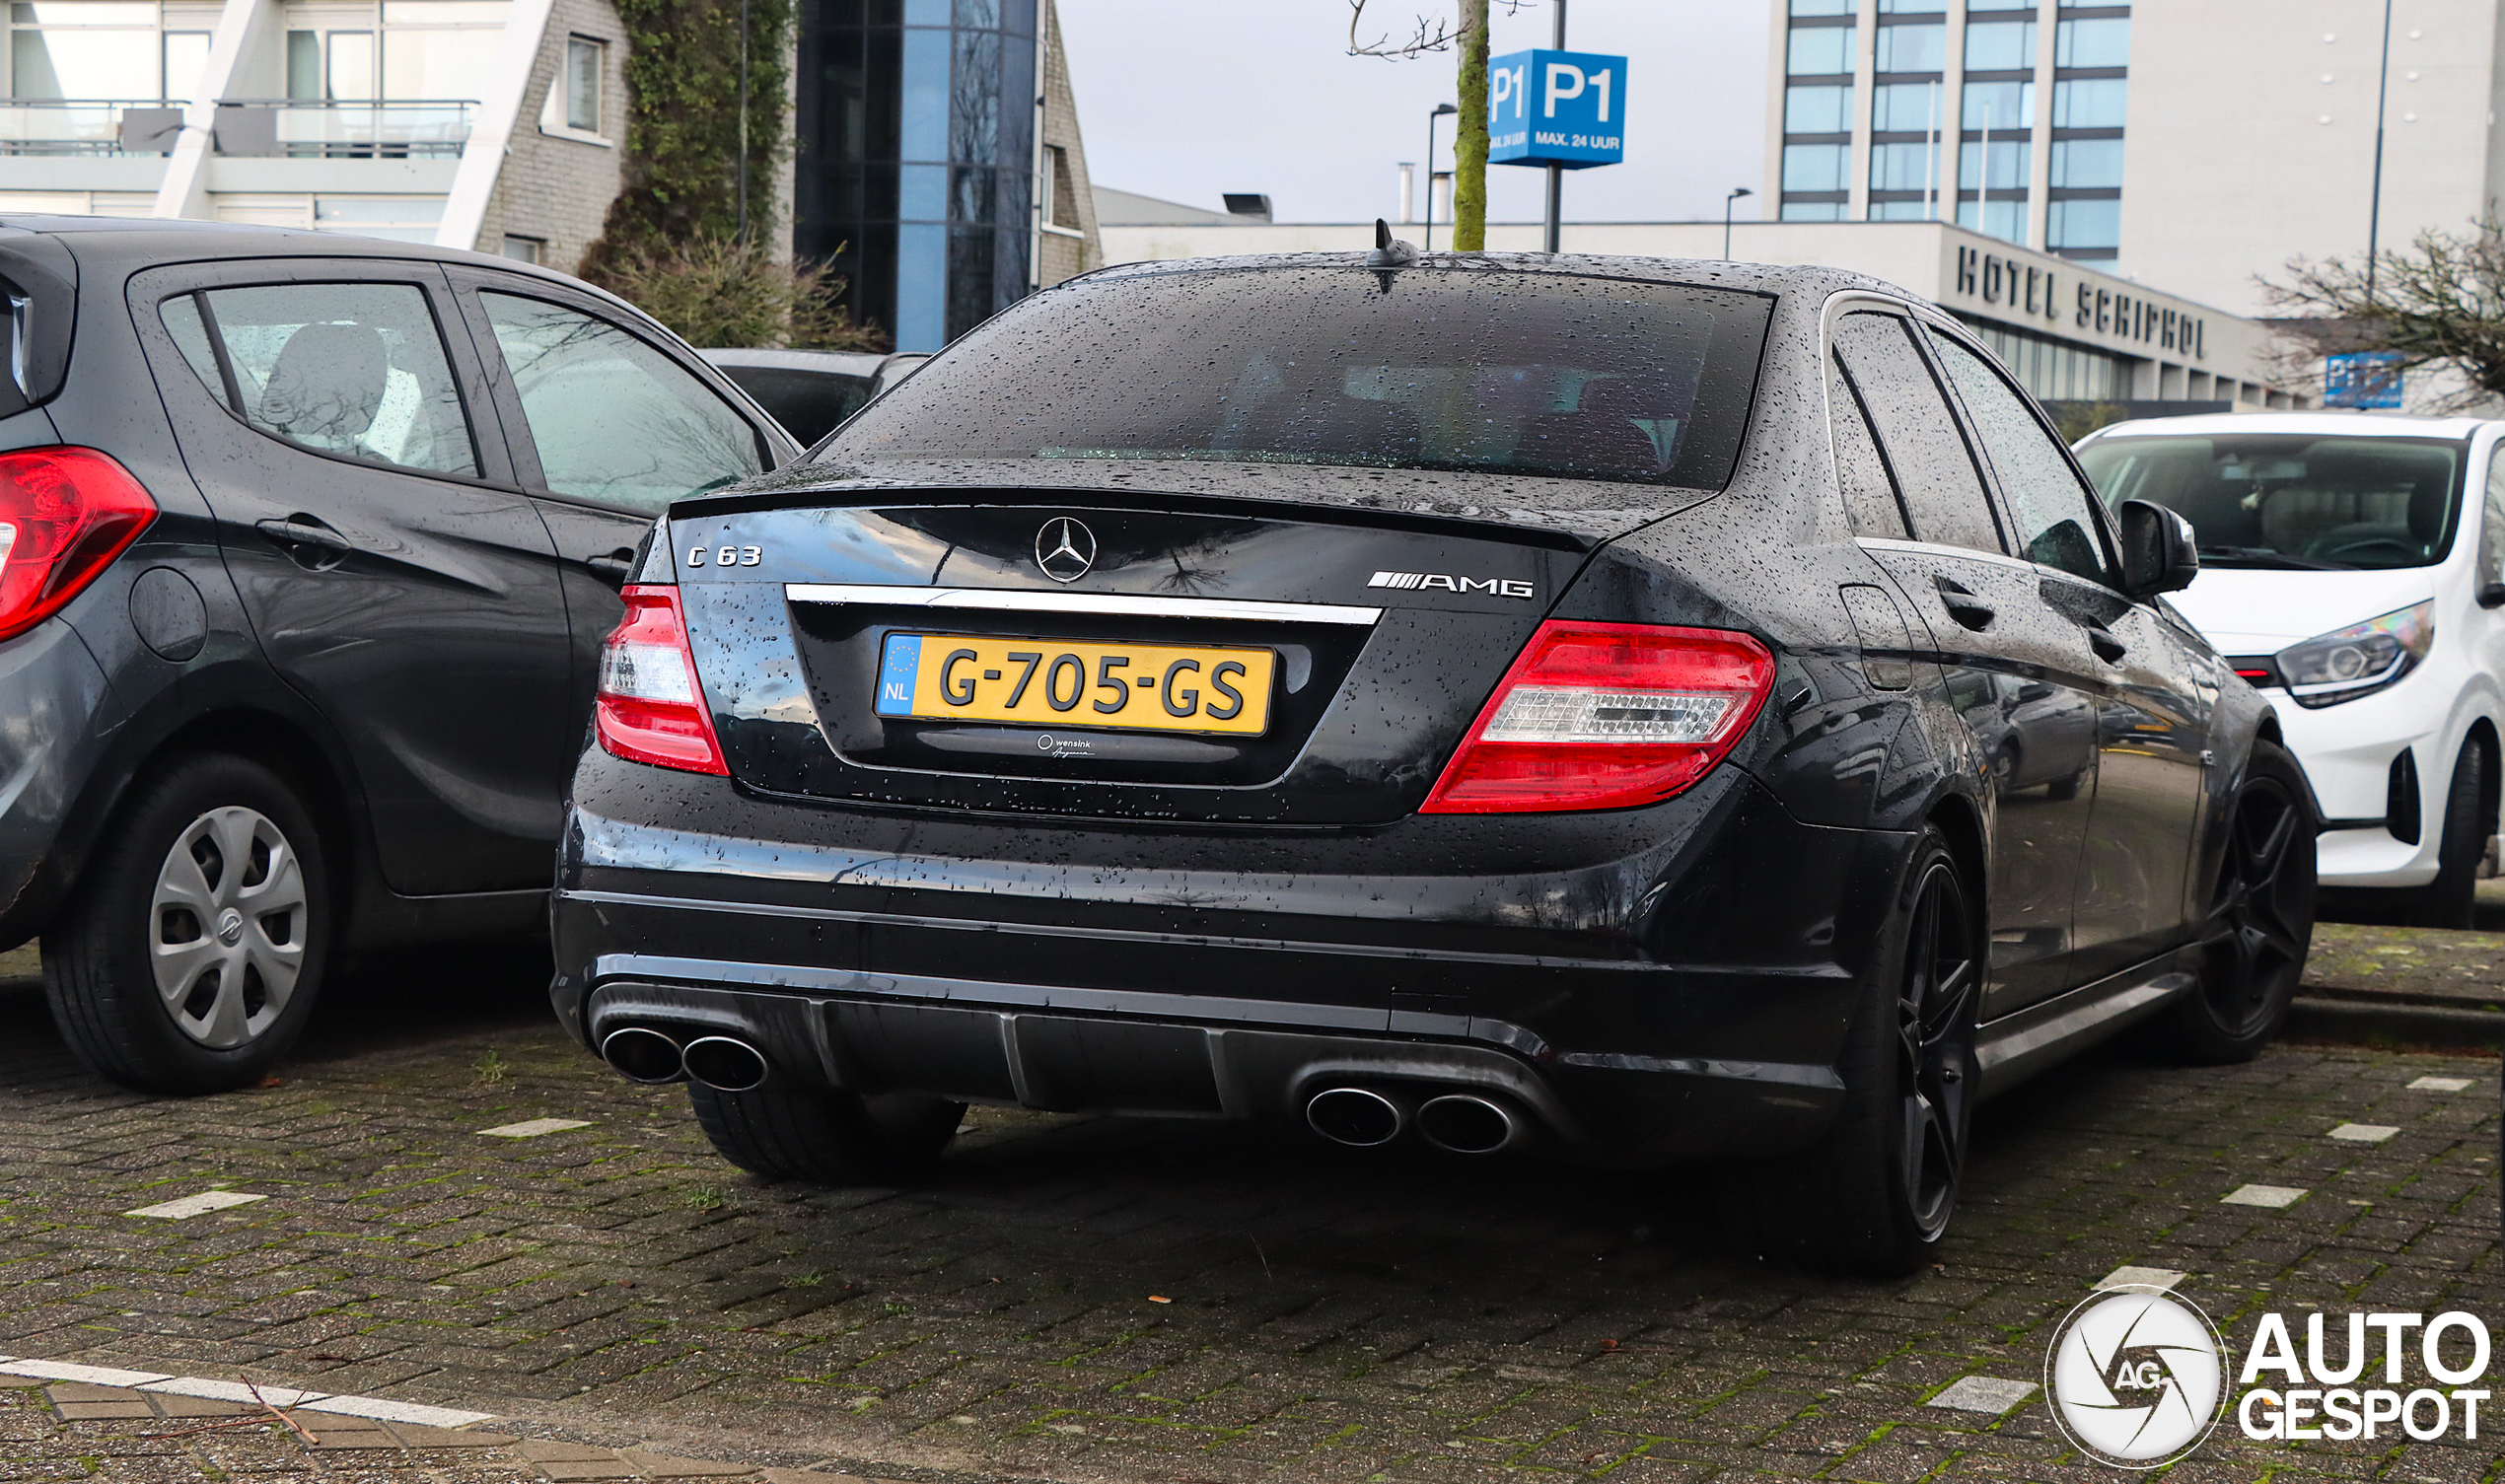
{"x": 1556, "y": 107}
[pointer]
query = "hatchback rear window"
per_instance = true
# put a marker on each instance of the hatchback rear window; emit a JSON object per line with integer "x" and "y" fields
{"x": 2294, "y": 501}
{"x": 1461, "y": 367}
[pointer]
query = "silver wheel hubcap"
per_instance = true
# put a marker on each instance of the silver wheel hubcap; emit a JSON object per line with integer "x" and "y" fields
{"x": 225, "y": 928}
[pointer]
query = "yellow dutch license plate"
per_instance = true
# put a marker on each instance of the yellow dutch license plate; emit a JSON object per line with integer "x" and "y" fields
{"x": 1061, "y": 683}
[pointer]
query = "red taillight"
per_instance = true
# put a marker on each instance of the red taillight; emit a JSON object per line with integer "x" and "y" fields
{"x": 651, "y": 707}
{"x": 64, "y": 514}
{"x": 1606, "y": 716}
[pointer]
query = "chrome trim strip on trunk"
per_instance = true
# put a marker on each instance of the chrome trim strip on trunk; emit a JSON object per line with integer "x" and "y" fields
{"x": 1120, "y": 603}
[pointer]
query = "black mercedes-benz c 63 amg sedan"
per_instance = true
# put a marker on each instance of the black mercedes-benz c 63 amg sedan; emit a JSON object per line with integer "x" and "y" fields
{"x": 1648, "y": 711}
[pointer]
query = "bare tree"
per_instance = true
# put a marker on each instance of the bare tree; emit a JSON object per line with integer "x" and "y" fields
{"x": 1467, "y": 33}
{"x": 2438, "y": 303}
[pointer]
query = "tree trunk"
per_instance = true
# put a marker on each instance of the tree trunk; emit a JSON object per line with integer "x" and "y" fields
{"x": 1470, "y": 145}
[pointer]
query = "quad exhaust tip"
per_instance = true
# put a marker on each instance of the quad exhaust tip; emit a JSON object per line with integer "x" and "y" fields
{"x": 725, "y": 1064}
{"x": 1359, "y": 1117}
{"x": 1468, "y": 1124}
{"x": 642, "y": 1054}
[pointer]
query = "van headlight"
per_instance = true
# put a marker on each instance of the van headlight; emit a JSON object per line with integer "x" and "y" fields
{"x": 2359, "y": 660}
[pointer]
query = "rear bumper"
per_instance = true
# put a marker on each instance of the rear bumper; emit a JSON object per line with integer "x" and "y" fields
{"x": 1647, "y": 985}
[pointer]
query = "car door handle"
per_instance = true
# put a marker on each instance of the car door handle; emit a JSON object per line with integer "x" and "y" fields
{"x": 1969, "y": 609}
{"x": 2107, "y": 648}
{"x": 612, "y": 567}
{"x": 309, "y": 539}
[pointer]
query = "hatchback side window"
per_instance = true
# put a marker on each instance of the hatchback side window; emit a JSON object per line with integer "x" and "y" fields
{"x": 2053, "y": 505}
{"x": 1869, "y": 490}
{"x": 2492, "y": 523}
{"x": 614, "y": 419}
{"x": 352, "y": 370}
{"x": 1942, "y": 490}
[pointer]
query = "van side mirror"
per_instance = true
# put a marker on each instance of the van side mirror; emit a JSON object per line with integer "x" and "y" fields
{"x": 2492, "y": 595}
{"x": 2160, "y": 552}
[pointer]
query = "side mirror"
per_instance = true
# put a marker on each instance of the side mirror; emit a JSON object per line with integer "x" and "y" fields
{"x": 2492, "y": 595}
{"x": 2160, "y": 552}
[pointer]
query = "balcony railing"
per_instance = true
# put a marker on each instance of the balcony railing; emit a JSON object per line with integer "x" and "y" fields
{"x": 264, "y": 128}
{"x": 88, "y": 126}
{"x": 396, "y": 130}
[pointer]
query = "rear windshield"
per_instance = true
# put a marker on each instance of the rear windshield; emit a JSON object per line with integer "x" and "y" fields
{"x": 807, "y": 404}
{"x": 1478, "y": 368}
{"x": 2294, "y": 501}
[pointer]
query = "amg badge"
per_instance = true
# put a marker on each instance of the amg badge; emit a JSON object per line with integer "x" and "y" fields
{"x": 1502, "y": 587}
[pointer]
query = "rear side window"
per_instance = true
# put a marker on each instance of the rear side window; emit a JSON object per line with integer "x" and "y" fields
{"x": 1432, "y": 368}
{"x": 2492, "y": 522}
{"x": 2049, "y": 502}
{"x": 1869, "y": 491}
{"x": 614, "y": 419}
{"x": 1935, "y": 473}
{"x": 352, "y": 370}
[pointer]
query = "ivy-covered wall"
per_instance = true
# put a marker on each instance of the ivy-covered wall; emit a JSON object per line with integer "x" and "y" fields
{"x": 683, "y": 124}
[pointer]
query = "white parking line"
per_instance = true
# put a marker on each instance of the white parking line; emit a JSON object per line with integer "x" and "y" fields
{"x": 381, "y": 1407}
{"x": 2363, "y": 1133}
{"x": 2270, "y": 1197}
{"x": 2441, "y": 1084}
{"x": 197, "y": 1205}
{"x": 2131, "y": 1276}
{"x": 1982, "y": 1394}
{"x": 532, "y": 1128}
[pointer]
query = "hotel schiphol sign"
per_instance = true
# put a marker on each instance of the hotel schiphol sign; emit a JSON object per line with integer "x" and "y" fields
{"x": 2022, "y": 290}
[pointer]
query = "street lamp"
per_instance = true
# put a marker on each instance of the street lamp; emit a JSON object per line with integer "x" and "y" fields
{"x": 1440, "y": 110}
{"x": 1736, "y": 193}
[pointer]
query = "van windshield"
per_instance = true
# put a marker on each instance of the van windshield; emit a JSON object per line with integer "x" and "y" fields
{"x": 1506, "y": 372}
{"x": 2298, "y": 502}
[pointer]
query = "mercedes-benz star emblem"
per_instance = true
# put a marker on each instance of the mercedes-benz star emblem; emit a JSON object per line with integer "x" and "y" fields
{"x": 1065, "y": 549}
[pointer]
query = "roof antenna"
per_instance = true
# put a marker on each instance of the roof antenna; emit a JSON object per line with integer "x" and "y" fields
{"x": 1389, "y": 251}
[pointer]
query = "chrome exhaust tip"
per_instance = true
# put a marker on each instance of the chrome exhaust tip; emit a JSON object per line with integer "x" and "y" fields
{"x": 1359, "y": 1117}
{"x": 1467, "y": 1124}
{"x": 726, "y": 1064}
{"x": 643, "y": 1054}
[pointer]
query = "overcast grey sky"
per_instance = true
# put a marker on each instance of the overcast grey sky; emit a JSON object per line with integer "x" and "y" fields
{"x": 1185, "y": 98}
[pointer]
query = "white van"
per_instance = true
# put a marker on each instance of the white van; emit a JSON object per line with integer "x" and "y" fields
{"x": 2352, "y": 565}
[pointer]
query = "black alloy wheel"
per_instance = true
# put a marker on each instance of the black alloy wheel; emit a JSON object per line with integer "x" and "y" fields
{"x": 1935, "y": 1039}
{"x": 1875, "y": 1195}
{"x": 2260, "y": 924}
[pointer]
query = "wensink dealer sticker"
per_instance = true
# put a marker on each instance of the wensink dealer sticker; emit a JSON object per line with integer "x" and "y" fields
{"x": 2137, "y": 1376}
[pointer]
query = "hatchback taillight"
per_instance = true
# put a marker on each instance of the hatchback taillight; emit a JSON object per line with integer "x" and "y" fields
{"x": 650, "y": 707}
{"x": 1606, "y": 716}
{"x": 66, "y": 513}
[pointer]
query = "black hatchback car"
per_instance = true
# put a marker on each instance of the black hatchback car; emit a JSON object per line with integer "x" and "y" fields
{"x": 1652, "y": 711}
{"x": 308, "y": 545}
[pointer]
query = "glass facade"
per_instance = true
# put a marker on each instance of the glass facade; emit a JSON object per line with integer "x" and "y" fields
{"x": 2055, "y": 369}
{"x": 1818, "y": 111}
{"x": 916, "y": 157}
{"x": 2091, "y": 87}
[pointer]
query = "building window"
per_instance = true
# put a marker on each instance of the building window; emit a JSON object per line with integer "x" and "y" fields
{"x": 1060, "y": 190}
{"x": 1901, "y": 167}
{"x": 1813, "y": 211}
{"x": 2008, "y": 162}
{"x": 1815, "y": 167}
{"x": 576, "y": 93}
{"x": 1822, "y": 7}
{"x": 1819, "y": 108}
{"x": 524, "y": 250}
{"x": 98, "y": 50}
{"x": 1913, "y": 49}
{"x": 2095, "y": 164}
{"x": 1999, "y": 106}
{"x": 2104, "y": 41}
{"x": 586, "y": 63}
{"x": 2000, "y": 46}
{"x": 1899, "y": 211}
{"x": 1905, "y": 108}
{"x": 2088, "y": 103}
{"x": 2079, "y": 228}
{"x": 1820, "y": 51}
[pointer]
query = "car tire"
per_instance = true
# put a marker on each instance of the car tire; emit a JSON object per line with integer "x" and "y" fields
{"x": 196, "y": 943}
{"x": 826, "y": 1136}
{"x": 2260, "y": 923}
{"x": 1875, "y": 1195}
{"x": 2448, "y": 901}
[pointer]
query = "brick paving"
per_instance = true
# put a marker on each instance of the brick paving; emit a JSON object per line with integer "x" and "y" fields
{"x": 1106, "y": 1300}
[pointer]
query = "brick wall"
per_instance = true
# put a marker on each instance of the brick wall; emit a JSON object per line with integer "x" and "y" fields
{"x": 1065, "y": 256}
{"x": 556, "y": 187}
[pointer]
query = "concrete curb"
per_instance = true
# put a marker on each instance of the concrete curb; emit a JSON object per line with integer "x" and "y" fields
{"x": 2366, "y": 1023}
